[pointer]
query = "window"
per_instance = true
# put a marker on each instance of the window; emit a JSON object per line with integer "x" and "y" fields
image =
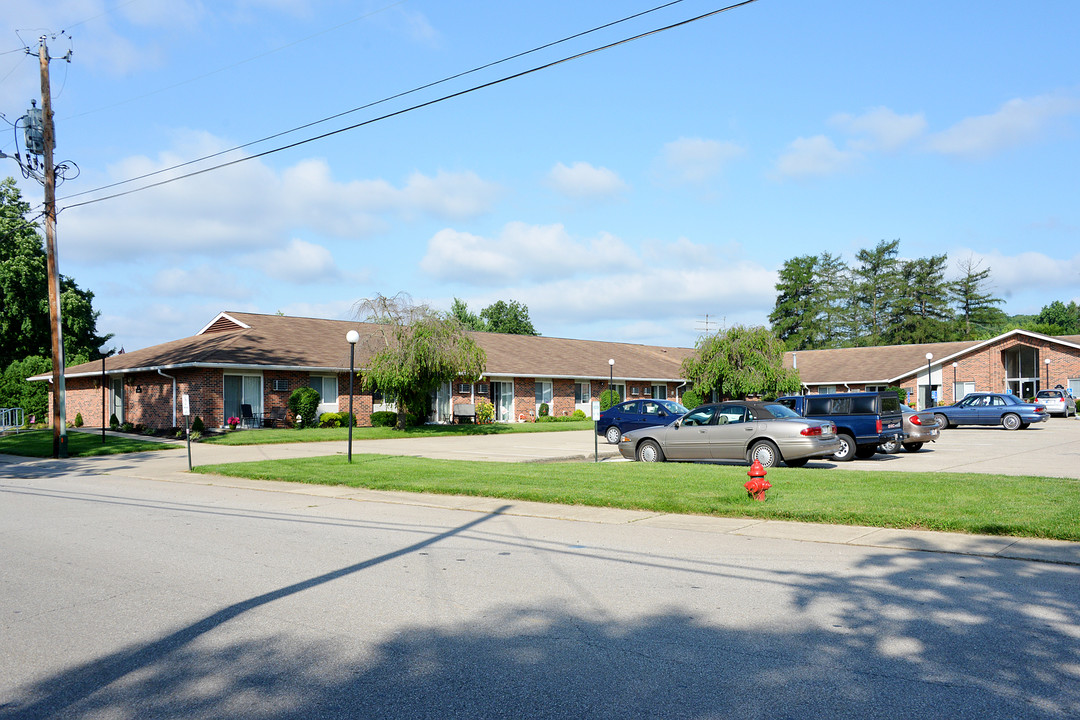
{"x": 962, "y": 390}
{"x": 823, "y": 389}
{"x": 243, "y": 390}
{"x": 864, "y": 405}
{"x": 582, "y": 393}
{"x": 543, "y": 394}
{"x": 818, "y": 406}
{"x": 326, "y": 386}
{"x": 634, "y": 391}
{"x": 659, "y": 392}
{"x": 701, "y": 416}
{"x": 650, "y": 408}
{"x": 876, "y": 388}
{"x": 731, "y": 414}
{"x": 464, "y": 389}
{"x": 483, "y": 389}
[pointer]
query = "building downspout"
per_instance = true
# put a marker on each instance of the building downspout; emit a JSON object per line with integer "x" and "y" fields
{"x": 173, "y": 395}
{"x": 678, "y": 395}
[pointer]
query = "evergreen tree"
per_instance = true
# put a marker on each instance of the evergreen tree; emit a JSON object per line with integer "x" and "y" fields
{"x": 875, "y": 284}
{"x": 921, "y": 312}
{"x": 834, "y": 293}
{"x": 976, "y": 308}
{"x": 795, "y": 314}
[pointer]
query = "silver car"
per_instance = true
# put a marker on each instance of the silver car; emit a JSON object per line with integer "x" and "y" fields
{"x": 919, "y": 429}
{"x": 1057, "y": 402}
{"x": 735, "y": 430}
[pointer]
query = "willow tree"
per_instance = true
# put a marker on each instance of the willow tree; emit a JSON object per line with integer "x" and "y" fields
{"x": 412, "y": 350}
{"x": 739, "y": 362}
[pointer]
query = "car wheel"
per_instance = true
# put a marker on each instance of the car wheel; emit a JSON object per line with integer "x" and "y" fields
{"x": 649, "y": 451}
{"x": 864, "y": 452}
{"x": 889, "y": 446}
{"x": 1011, "y": 421}
{"x": 847, "y": 448}
{"x": 612, "y": 435}
{"x": 797, "y": 463}
{"x": 765, "y": 453}
{"x": 913, "y": 447}
{"x": 942, "y": 421}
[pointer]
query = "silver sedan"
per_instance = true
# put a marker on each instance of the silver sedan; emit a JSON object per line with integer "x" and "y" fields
{"x": 919, "y": 429}
{"x": 735, "y": 430}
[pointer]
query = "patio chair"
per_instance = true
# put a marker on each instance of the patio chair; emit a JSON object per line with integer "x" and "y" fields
{"x": 275, "y": 417}
{"x": 247, "y": 418}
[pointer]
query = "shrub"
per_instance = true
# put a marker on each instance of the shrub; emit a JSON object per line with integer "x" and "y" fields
{"x": 78, "y": 420}
{"x": 578, "y": 415}
{"x": 195, "y": 436}
{"x": 383, "y": 418}
{"x": 608, "y": 398}
{"x": 114, "y": 422}
{"x": 546, "y": 418}
{"x": 127, "y": 427}
{"x": 197, "y": 426}
{"x": 485, "y": 412}
{"x": 543, "y": 410}
{"x": 691, "y": 399}
{"x": 304, "y": 403}
{"x": 330, "y": 420}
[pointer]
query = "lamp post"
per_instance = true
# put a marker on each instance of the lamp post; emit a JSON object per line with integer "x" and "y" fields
{"x": 1047, "y": 363}
{"x": 929, "y": 385}
{"x": 352, "y": 337}
{"x": 611, "y": 374}
{"x": 954, "y": 381}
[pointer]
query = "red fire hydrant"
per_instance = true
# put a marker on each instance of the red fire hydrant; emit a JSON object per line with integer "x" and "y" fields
{"x": 757, "y": 484}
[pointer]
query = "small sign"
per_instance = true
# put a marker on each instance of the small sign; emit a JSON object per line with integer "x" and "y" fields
{"x": 933, "y": 394}
{"x": 186, "y": 402}
{"x": 595, "y": 409}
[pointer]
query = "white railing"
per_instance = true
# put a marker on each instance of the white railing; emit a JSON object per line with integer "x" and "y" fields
{"x": 11, "y": 418}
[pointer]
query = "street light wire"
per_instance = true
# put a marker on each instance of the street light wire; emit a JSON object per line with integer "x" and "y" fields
{"x": 418, "y": 106}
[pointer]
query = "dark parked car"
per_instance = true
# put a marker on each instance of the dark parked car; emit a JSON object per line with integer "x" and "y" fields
{"x": 1005, "y": 409}
{"x": 919, "y": 429}
{"x": 864, "y": 420}
{"x": 735, "y": 430}
{"x": 635, "y": 414}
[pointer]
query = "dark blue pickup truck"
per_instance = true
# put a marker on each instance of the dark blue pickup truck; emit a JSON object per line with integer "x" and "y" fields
{"x": 863, "y": 420}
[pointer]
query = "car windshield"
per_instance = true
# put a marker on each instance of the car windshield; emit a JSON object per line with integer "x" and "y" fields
{"x": 781, "y": 411}
{"x": 674, "y": 407}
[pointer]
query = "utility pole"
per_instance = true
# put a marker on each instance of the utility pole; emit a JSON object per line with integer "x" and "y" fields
{"x": 60, "y": 448}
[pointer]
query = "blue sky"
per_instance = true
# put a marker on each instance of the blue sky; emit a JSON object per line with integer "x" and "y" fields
{"x": 623, "y": 196}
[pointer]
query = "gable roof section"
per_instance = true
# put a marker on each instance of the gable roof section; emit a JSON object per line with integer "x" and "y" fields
{"x": 251, "y": 341}
{"x": 891, "y": 363}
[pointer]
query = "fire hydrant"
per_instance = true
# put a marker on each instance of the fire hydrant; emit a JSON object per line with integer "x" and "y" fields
{"x": 757, "y": 484}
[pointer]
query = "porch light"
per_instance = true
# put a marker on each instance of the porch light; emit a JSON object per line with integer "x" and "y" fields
{"x": 1047, "y": 363}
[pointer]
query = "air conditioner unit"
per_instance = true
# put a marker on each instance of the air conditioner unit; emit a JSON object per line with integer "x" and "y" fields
{"x": 281, "y": 385}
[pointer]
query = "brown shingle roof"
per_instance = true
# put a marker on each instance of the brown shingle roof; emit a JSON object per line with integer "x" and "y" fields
{"x": 310, "y": 343}
{"x": 875, "y": 365}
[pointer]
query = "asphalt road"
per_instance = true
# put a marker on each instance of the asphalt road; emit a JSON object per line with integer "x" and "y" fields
{"x": 126, "y": 597}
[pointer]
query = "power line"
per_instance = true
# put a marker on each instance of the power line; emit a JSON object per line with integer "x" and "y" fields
{"x": 374, "y": 103}
{"x": 499, "y": 81}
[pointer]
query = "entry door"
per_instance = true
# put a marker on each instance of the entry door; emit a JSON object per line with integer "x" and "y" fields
{"x": 543, "y": 395}
{"x": 116, "y": 400}
{"x": 504, "y": 401}
{"x": 442, "y": 404}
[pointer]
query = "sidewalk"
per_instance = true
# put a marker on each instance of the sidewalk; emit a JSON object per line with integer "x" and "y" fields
{"x": 171, "y": 466}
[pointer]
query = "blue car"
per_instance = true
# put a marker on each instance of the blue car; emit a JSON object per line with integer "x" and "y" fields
{"x": 636, "y": 414}
{"x": 1005, "y": 409}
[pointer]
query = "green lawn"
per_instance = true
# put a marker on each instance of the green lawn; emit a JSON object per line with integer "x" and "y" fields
{"x": 270, "y": 436}
{"x": 984, "y": 504}
{"x": 39, "y": 443}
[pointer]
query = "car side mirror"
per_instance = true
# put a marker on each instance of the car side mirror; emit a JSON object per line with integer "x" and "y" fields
{"x": 677, "y": 424}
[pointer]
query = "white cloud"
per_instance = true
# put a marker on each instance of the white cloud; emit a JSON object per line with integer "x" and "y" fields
{"x": 300, "y": 262}
{"x": 1026, "y": 271}
{"x": 1017, "y": 122}
{"x": 696, "y": 160}
{"x": 522, "y": 251}
{"x": 584, "y": 181}
{"x": 818, "y": 155}
{"x": 884, "y": 129}
{"x": 251, "y": 205}
{"x": 202, "y": 281}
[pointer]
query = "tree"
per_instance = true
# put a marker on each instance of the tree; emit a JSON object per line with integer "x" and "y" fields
{"x": 511, "y": 318}
{"x": 413, "y": 350}
{"x": 33, "y": 398}
{"x": 1057, "y": 318}
{"x": 837, "y": 321}
{"x": 920, "y": 310}
{"x": 875, "y": 285}
{"x": 795, "y": 314}
{"x": 24, "y": 314}
{"x": 738, "y": 362}
{"x": 460, "y": 310}
{"x": 976, "y": 308}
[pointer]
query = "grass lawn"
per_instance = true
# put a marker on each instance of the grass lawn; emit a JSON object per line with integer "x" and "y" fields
{"x": 270, "y": 436}
{"x": 983, "y": 504}
{"x": 39, "y": 443}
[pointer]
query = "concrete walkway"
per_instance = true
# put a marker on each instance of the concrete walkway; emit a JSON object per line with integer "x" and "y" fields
{"x": 171, "y": 466}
